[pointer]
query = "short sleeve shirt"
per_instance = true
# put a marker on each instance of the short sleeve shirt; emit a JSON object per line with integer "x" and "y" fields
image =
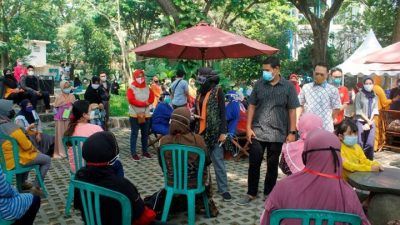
{"x": 271, "y": 116}
{"x": 179, "y": 91}
{"x": 344, "y": 99}
{"x": 321, "y": 100}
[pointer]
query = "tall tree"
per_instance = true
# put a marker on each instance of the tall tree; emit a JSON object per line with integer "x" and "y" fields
{"x": 320, "y": 24}
{"x": 396, "y": 30}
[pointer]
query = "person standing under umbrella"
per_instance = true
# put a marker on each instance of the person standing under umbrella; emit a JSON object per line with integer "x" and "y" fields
{"x": 211, "y": 124}
{"x": 179, "y": 90}
{"x": 271, "y": 121}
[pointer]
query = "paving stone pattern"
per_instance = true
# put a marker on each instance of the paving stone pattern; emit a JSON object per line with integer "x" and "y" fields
{"x": 147, "y": 176}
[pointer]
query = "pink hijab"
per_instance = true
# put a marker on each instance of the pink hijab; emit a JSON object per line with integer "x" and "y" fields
{"x": 292, "y": 151}
{"x": 306, "y": 190}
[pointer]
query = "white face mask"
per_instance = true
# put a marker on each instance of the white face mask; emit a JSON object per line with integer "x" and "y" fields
{"x": 19, "y": 63}
{"x": 95, "y": 86}
{"x": 368, "y": 87}
{"x": 140, "y": 80}
{"x": 103, "y": 78}
{"x": 31, "y": 73}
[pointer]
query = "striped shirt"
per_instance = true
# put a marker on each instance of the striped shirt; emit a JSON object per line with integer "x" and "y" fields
{"x": 271, "y": 116}
{"x": 12, "y": 204}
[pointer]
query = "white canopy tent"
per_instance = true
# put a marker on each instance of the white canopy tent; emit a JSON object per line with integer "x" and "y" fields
{"x": 353, "y": 66}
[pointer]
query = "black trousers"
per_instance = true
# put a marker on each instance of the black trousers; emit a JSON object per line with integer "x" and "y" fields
{"x": 30, "y": 215}
{"x": 35, "y": 98}
{"x": 17, "y": 97}
{"x": 257, "y": 149}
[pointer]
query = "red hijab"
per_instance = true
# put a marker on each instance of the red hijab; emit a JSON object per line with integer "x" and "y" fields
{"x": 136, "y": 75}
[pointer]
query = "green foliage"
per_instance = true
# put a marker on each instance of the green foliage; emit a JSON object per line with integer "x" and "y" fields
{"x": 119, "y": 104}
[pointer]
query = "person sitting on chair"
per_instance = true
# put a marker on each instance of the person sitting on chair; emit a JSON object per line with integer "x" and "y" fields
{"x": 29, "y": 120}
{"x": 162, "y": 115}
{"x": 291, "y": 161}
{"x": 100, "y": 151}
{"x": 352, "y": 154}
{"x": 179, "y": 133}
{"x": 14, "y": 206}
{"x": 28, "y": 154}
{"x": 318, "y": 186}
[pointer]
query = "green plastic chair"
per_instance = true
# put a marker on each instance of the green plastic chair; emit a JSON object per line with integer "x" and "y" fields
{"x": 318, "y": 216}
{"x": 180, "y": 155}
{"x": 90, "y": 197}
{"x": 76, "y": 145}
{"x": 18, "y": 169}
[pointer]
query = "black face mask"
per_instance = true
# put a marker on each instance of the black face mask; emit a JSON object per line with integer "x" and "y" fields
{"x": 331, "y": 149}
{"x": 11, "y": 114}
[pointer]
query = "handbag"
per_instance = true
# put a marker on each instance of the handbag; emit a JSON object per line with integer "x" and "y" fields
{"x": 141, "y": 117}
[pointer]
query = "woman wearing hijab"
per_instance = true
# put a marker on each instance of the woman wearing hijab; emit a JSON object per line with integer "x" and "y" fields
{"x": 366, "y": 108}
{"x": 295, "y": 81}
{"x": 291, "y": 161}
{"x": 192, "y": 93}
{"x": 63, "y": 105}
{"x": 28, "y": 153}
{"x": 318, "y": 186}
{"x": 12, "y": 91}
{"x": 180, "y": 133}
{"x": 100, "y": 151}
{"x": 94, "y": 92}
{"x": 161, "y": 116}
{"x": 29, "y": 120}
{"x": 140, "y": 97}
{"x": 211, "y": 124}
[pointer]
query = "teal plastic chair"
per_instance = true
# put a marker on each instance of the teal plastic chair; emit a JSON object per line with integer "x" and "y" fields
{"x": 18, "y": 169}
{"x": 6, "y": 222}
{"x": 90, "y": 197}
{"x": 318, "y": 216}
{"x": 76, "y": 145}
{"x": 180, "y": 155}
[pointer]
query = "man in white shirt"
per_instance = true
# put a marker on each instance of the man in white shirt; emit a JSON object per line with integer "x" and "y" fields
{"x": 320, "y": 98}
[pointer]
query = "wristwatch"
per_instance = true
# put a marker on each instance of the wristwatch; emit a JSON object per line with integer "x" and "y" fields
{"x": 293, "y": 132}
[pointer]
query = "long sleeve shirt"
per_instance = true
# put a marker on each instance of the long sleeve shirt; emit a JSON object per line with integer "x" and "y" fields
{"x": 354, "y": 160}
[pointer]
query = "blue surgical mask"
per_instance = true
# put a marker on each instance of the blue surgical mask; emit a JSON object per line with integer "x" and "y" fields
{"x": 66, "y": 90}
{"x": 167, "y": 100}
{"x": 267, "y": 76}
{"x": 337, "y": 81}
{"x": 350, "y": 140}
{"x": 29, "y": 108}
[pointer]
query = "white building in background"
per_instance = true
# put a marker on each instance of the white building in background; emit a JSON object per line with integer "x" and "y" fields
{"x": 38, "y": 56}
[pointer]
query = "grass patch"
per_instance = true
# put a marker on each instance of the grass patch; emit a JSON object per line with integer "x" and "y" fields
{"x": 119, "y": 104}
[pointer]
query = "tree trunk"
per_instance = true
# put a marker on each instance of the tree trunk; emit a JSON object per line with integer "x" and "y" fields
{"x": 170, "y": 9}
{"x": 320, "y": 45}
{"x": 396, "y": 31}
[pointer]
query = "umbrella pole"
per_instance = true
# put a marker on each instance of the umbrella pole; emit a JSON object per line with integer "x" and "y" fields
{"x": 203, "y": 53}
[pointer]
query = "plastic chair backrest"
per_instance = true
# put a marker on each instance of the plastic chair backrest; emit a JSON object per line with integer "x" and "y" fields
{"x": 14, "y": 144}
{"x": 318, "y": 216}
{"x": 75, "y": 143}
{"x": 180, "y": 155}
{"x": 90, "y": 199}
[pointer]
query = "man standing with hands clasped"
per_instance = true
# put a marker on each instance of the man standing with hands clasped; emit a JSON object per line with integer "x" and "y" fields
{"x": 271, "y": 121}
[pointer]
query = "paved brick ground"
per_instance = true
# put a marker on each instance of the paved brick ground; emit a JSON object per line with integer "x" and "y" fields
{"x": 147, "y": 177}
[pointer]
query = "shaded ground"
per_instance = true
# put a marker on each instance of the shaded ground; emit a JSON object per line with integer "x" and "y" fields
{"x": 147, "y": 177}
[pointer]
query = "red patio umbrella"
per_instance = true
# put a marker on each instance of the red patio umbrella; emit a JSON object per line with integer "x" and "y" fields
{"x": 203, "y": 42}
{"x": 388, "y": 55}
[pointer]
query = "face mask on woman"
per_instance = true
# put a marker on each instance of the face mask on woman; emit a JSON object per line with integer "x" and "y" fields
{"x": 67, "y": 90}
{"x": 140, "y": 80}
{"x": 95, "y": 86}
{"x": 350, "y": 140}
{"x": 29, "y": 108}
{"x": 30, "y": 73}
{"x": 368, "y": 87}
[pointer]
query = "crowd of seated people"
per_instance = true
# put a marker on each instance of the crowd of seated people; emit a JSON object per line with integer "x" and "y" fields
{"x": 310, "y": 184}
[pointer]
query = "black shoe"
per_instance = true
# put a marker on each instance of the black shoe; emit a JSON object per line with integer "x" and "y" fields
{"x": 227, "y": 197}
